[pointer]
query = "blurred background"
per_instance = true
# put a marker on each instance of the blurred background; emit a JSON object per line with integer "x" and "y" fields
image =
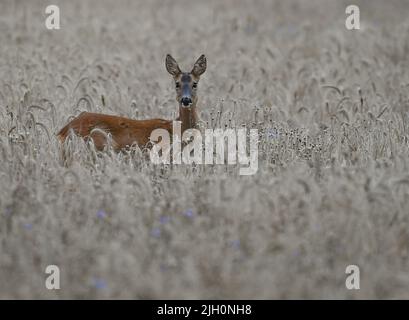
{"x": 331, "y": 106}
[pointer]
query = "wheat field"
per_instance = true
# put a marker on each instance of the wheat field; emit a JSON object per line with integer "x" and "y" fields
{"x": 332, "y": 187}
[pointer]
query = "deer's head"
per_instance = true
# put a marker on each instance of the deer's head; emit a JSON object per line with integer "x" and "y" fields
{"x": 186, "y": 82}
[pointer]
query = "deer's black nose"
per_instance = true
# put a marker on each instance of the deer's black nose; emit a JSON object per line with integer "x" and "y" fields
{"x": 186, "y": 101}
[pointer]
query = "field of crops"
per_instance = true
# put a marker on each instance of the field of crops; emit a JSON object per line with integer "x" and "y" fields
{"x": 332, "y": 188}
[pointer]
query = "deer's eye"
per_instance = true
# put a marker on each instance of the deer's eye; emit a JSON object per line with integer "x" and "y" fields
{"x": 194, "y": 85}
{"x": 177, "y": 85}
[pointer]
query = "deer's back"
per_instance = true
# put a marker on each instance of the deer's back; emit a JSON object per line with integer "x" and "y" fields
{"x": 124, "y": 131}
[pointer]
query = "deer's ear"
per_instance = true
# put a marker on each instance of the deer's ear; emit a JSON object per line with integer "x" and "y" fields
{"x": 200, "y": 66}
{"x": 172, "y": 66}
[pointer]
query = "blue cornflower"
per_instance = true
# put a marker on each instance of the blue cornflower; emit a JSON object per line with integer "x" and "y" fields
{"x": 28, "y": 226}
{"x": 164, "y": 219}
{"x": 155, "y": 232}
{"x": 101, "y": 214}
{"x": 236, "y": 244}
{"x": 188, "y": 213}
{"x": 273, "y": 133}
{"x": 99, "y": 283}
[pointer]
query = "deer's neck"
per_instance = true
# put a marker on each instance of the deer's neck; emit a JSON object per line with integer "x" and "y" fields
{"x": 188, "y": 117}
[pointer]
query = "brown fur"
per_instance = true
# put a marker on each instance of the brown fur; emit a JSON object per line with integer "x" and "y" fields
{"x": 126, "y": 132}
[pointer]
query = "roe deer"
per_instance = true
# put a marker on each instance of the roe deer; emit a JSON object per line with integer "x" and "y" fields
{"x": 124, "y": 131}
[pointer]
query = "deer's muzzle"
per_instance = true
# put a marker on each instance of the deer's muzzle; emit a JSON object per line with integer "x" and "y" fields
{"x": 186, "y": 100}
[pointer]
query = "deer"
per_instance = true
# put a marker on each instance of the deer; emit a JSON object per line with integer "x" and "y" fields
{"x": 125, "y": 132}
